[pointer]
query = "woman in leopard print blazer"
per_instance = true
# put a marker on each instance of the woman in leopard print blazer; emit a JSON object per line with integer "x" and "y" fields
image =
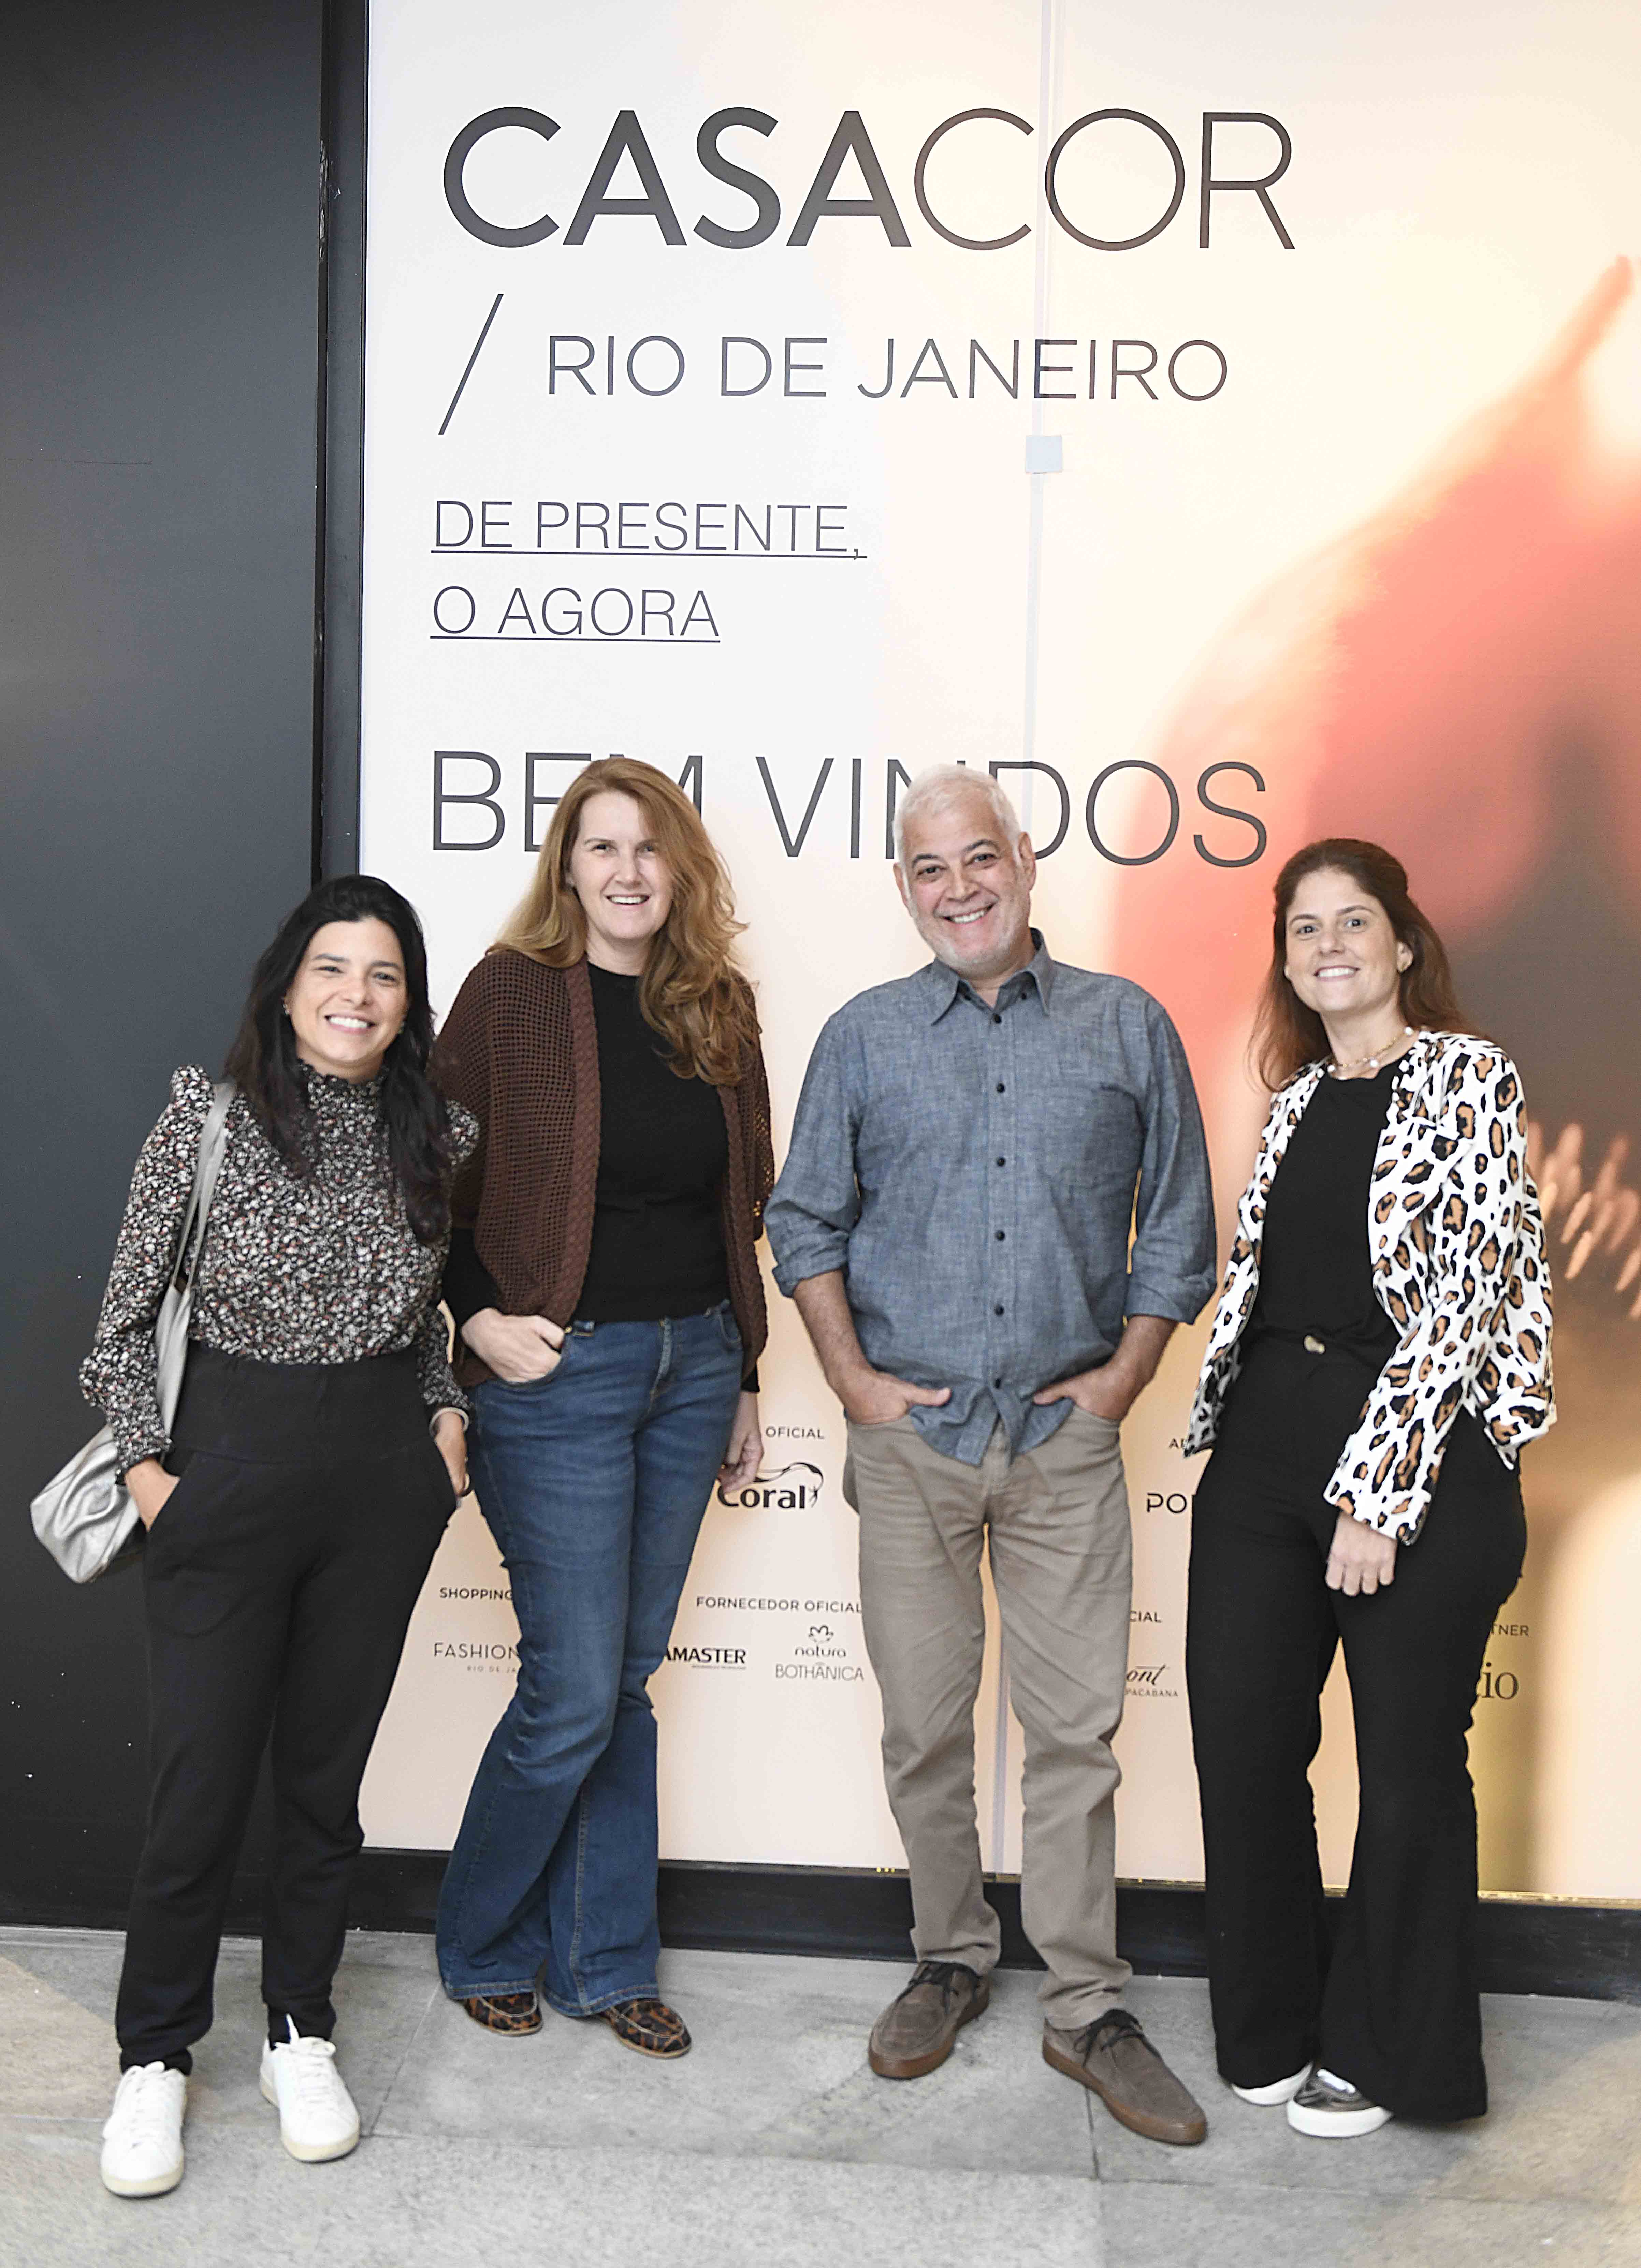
{"x": 1379, "y": 1354}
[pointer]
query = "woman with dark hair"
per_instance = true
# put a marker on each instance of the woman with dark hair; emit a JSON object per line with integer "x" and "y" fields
{"x": 292, "y": 1512}
{"x": 1379, "y": 1354}
{"x": 603, "y": 1276}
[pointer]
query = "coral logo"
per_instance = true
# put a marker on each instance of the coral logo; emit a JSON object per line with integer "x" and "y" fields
{"x": 795, "y": 1488}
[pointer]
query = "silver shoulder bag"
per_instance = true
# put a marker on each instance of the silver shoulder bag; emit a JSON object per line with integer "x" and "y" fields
{"x": 84, "y": 1516}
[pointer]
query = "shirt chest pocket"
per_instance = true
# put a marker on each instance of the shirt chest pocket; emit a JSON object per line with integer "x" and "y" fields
{"x": 1093, "y": 1135}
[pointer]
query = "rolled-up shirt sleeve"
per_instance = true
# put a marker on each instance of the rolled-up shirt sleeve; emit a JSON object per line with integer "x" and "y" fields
{"x": 1171, "y": 1266}
{"x": 816, "y": 1200}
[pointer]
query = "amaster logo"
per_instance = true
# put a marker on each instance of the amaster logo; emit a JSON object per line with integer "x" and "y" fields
{"x": 795, "y": 1488}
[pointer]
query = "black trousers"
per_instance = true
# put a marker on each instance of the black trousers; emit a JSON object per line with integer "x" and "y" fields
{"x": 279, "y": 1580}
{"x": 1393, "y": 2006}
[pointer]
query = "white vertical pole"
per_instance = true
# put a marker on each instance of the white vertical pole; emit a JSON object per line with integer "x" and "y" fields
{"x": 1050, "y": 71}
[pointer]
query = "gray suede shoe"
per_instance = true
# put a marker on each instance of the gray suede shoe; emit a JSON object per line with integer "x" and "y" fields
{"x": 1113, "y": 2057}
{"x": 915, "y": 2032}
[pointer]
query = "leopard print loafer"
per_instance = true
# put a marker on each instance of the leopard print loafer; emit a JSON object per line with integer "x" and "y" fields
{"x": 648, "y": 2028}
{"x": 514, "y": 2015}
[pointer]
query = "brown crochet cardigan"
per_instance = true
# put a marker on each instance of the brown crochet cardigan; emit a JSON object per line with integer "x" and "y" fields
{"x": 520, "y": 1049}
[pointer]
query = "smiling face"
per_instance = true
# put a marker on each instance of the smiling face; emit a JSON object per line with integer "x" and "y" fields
{"x": 1343, "y": 958}
{"x": 968, "y": 887}
{"x": 623, "y": 882}
{"x": 347, "y": 1001}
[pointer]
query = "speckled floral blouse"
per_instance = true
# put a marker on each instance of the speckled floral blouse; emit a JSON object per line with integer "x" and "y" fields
{"x": 325, "y": 1268}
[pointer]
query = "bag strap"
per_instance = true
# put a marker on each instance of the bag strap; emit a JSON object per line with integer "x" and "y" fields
{"x": 207, "y": 1166}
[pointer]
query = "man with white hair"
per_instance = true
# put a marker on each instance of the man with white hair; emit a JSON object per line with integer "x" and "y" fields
{"x": 971, "y": 1149}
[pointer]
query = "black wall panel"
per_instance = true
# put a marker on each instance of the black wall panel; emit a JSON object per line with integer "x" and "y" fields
{"x": 160, "y": 352}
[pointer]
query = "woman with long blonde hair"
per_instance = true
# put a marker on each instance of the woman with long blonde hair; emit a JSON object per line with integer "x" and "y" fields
{"x": 607, "y": 1294}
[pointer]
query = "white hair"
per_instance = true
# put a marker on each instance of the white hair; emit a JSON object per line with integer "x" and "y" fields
{"x": 942, "y": 785}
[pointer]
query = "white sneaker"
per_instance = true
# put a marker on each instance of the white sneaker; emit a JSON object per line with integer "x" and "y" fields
{"x": 1280, "y": 2090}
{"x": 142, "y": 2151}
{"x": 1329, "y": 2106}
{"x": 317, "y": 2117}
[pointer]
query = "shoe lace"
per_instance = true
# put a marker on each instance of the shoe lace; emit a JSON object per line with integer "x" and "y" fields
{"x": 146, "y": 2110}
{"x": 950, "y": 1976}
{"x": 1115, "y": 2024}
{"x": 309, "y": 2063}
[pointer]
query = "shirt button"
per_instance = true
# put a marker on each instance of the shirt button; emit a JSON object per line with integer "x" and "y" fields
{"x": 1001, "y": 1088}
{"x": 996, "y": 1381}
{"x": 998, "y": 1310}
{"x": 995, "y": 1018}
{"x": 1000, "y": 1236}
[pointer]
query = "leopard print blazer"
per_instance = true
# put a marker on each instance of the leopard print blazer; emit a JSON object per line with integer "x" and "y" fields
{"x": 1457, "y": 1246}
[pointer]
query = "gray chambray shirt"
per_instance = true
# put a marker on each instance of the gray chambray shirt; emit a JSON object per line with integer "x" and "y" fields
{"x": 974, "y": 1173}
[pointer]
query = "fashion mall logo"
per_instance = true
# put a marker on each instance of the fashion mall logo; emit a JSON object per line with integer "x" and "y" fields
{"x": 795, "y": 1488}
{"x": 477, "y": 1654}
{"x": 1126, "y": 138}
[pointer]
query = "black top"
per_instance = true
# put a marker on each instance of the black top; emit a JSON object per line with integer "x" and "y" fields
{"x": 1315, "y": 1271}
{"x": 657, "y": 1233}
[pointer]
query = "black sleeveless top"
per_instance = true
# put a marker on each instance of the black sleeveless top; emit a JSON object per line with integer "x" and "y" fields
{"x": 658, "y": 1233}
{"x": 1315, "y": 1271}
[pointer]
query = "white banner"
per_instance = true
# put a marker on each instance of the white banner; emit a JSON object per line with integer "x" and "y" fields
{"x": 793, "y": 399}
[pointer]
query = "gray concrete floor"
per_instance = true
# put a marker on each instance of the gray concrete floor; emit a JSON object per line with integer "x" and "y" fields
{"x": 773, "y": 2146}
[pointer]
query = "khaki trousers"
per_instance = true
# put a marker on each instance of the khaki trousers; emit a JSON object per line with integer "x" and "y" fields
{"x": 1061, "y": 1563}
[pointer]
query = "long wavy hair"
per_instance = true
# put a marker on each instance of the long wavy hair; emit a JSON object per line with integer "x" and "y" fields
{"x": 691, "y": 992}
{"x": 1287, "y": 1034}
{"x": 264, "y": 1064}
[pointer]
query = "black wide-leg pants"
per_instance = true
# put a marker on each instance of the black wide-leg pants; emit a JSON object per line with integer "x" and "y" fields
{"x": 1393, "y": 2008}
{"x": 279, "y": 1580}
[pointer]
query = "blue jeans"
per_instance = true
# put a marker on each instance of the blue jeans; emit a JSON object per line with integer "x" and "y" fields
{"x": 594, "y": 1481}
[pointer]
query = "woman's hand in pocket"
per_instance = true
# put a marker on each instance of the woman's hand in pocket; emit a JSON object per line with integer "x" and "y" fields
{"x": 450, "y": 1438}
{"x": 517, "y": 1348}
{"x": 150, "y": 1485}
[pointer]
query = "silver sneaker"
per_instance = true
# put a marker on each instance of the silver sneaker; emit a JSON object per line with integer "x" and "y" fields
{"x": 1329, "y": 2107}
